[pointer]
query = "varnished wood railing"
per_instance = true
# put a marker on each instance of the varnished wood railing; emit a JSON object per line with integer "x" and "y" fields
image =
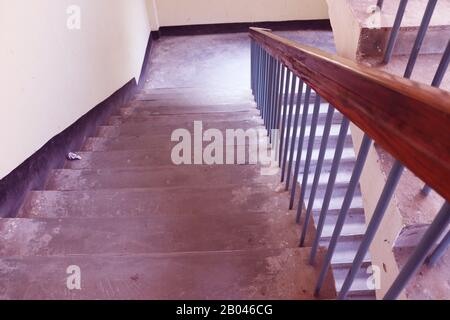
{"x": 408, "y": 119}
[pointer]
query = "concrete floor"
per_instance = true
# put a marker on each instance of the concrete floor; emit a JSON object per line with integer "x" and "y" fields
{"x": 215, "y": 60}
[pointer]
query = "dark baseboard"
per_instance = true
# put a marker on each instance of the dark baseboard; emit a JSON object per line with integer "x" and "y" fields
{"x": 203, "y": 29}
{"x": 32, "y": 173}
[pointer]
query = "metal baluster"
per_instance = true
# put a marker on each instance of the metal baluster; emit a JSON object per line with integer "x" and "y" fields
{"x": 301, "y": 139}
{"x": 261, "y": 79}
{"x": 251, "y": 64}
{"x": 419, "y": 255}
{"x": 270, "y": 91}
{"x": 375, "y": 221}
{"x": 353, "y": 184}
{"x": 442, "y": 69}
{"x": 254, "y": 67}
{"x": 277, "y": 110}
{"x": 263, "y": 83}
{"x": 288, "y": 127}
{"x": 395, "y": 30}
{"x": 330, "y": 186}
{"x": 319, "y": 165}
{"x": 439, "y": 251}
{"x": 274, "y": 98}
{"x": 257, "y": 67}
{"x": 266, "y": 81}
{"x": 294, "y": 134}
{"x": 283, "y": 115}
{"x": 420, "y": 37}
{"x": 312, "y": 137}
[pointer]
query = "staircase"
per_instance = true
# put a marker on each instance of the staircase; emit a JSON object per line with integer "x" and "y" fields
{"x": 140, "y": 227}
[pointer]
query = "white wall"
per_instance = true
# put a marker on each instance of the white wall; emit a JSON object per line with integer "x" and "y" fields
{"x": 188, "y": 12}
{"x": 50, "y": 76}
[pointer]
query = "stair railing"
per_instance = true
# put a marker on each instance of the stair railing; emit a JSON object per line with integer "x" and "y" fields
{"x": 409, "y": 120}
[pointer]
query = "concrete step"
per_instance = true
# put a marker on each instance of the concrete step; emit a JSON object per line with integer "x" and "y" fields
{"x": 160, "y": 128}
{"x": 359, "y": 287}
{"x": 129, "y": 117}
{"x": 155, "y": 233}
{"x": 151, "y": 177}
{"x": 208, "y": 117}
{"x": 141, "y": 108}
{"x": 201, "y": 101}
{"x": 374, "y": 35}
{"x": 261, "y": 274}
{"x": 201, "y": 200}
{"x": 108, "y": 153}
{"x": 195, "y": 90}
{"x": 200, "y": 98}
{"x": 161, "y": 143}
{"x": 354, "y": 226}
{"x": 345, "y": 252}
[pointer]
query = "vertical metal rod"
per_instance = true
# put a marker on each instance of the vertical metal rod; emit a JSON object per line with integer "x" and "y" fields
{"x": 271, "y": 91}
{"x": 301, "y": 140}
{"x": 261, "y": 79}
{"x": 443, "y": 66}
{"x": 375, "y": 221}
{"x": 380, "y": 4}
{"x": 251, "y": 64}
{"x": 439, "y": 76}
{"x": 288, "y": 127}
{"x": 348, "y": 198}
{"x": 420, "y": 37}
{"x": 439, "y": 251}
{"x": 263, "y": 84}
{"x": 284, "y": 111}
{"x": 257, "y": 67}
{"x": 395, "y": 31}
{"x": 312, "y": 137}
{"x": 276, "y": 111}
{"x": 419, "y": 255}
{"x": 319, "y": 165}
{"x": 266, "y": 80}
{"x": 274, "y": 99}
{"x": 330, "y": 187}
{"x": 294, "y": 134}
{"x": 254, "y": 67}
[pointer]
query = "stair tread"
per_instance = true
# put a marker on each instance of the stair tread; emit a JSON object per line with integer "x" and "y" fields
{"x": 246, "y": 274}
{"x": 127, "y": 118}
{"x": 154, "y": 233}
{"x": 154, "y": 176}
{"x": 359, "y": 286}
{"x": 232, "y": 199}
{"x": 144, "y": 109}
{"x": 179, "y": 103}
{"x": 159, "y": 128}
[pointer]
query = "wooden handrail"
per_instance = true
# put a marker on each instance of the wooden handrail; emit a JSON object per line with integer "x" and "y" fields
{"x": 408, "y": 119}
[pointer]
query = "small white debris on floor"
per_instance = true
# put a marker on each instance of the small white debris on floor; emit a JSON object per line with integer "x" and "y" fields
{"x": 73, "y": 156}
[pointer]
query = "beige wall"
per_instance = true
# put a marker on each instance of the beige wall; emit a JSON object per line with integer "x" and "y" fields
{"x": 188, "y": 12}
{"x": 51, "y": 76}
